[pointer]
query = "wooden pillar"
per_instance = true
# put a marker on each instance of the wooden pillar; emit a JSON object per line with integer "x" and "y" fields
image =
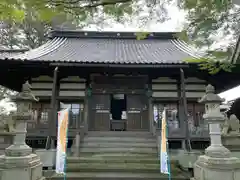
{"x": 152, "y": 128}
{"x": 53, "y": 114}
{"x": 86, "y": 107}
{"x": 150, "y": 116}
{"x": 183, "y": 111}
{"x": 88, "y": 95}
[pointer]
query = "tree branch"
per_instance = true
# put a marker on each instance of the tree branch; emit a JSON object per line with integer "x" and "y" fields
{"x": 90, "y": 4}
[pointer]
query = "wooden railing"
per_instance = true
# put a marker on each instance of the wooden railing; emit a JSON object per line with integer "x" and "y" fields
{"x": 175, "y": 130}
{"x": 39, "y": 122}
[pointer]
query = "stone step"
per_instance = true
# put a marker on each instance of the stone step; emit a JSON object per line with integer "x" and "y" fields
{"x": 119, "y": 144}
{"x": 116, "y": 155}
{"x": 116, "y": 160}
{"x": 119, "y": 150}
{"x": 120, "y": 139}
{"x": 117, "y": 176}
{"x": 113, "y": 167}
{"x": 119, "y": 134}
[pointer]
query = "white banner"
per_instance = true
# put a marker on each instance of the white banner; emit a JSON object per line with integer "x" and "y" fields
{"x": 62, "y": 141}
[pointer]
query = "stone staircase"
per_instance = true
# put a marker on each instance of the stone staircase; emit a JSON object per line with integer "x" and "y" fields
{"x": 117, "y": 156}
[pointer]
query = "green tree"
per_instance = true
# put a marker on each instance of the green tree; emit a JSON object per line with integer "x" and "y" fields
{"x": 207, "y": 20}
{"x": 82, "y": 10}
{"x": 30, "y": 33}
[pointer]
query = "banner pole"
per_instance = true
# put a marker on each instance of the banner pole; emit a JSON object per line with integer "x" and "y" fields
{"x": 62, "y": 141}
{"x": 65, "y": 162}
{"x": 167, "y": 135}
{"x": 164, "y": 154}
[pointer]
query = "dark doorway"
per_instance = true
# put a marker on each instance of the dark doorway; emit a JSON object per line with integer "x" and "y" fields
{"x": 118, "y": 106}
{"x": 118, "y": 112}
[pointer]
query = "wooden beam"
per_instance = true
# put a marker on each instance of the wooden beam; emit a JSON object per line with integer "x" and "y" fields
{"x": 183, "y": 104}
{"x": 53, "y": 113}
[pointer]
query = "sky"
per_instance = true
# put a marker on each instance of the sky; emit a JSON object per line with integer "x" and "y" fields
{"x": 175, "y": 23}
{"x": 231, "y": 94}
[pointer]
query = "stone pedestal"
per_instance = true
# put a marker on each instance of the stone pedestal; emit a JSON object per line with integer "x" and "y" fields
{"x": 25, "y": 168}
{"x": 19, "y": 162}
{"x": 209, "y": 168}
{"x": 232, "y": 142}
{"x": 217, "y": 163}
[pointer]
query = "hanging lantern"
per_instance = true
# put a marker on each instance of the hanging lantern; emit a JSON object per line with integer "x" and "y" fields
{"x": 89, "y": 92}
{"x": 149, "y": 93}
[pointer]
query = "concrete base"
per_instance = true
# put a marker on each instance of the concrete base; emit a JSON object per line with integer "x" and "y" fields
{"x": 75, "y": 149}
{"x": 208, "y": 168}
{"x": 22, "y": 168}
{"x": 187, "y": 159}
{"x": 47, "y": 157}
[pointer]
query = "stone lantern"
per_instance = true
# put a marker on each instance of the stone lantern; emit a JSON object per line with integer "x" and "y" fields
{"x": 214, "y": 118}
{"x": 217, "y": 162}
{"x": 19, "y": 162}
{"x": 24, "y": 105}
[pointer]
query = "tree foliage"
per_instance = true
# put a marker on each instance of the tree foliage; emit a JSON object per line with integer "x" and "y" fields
{"x": 83, "y": 10}
{"x": 30, "y": 33}
{"x": 46, "y": 9}
{"x": 214, "y": 62}
{"x": 209, "y": 21}
{"x": 5, "y": 104}
{"x": 207, "y": 18}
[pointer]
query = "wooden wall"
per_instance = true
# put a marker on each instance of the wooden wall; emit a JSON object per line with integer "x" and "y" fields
{"x": 195, "y": 88}
{"x": 72, "y": 86}
{"x": 42, "y": 86}
{"x": 164, "y": 87}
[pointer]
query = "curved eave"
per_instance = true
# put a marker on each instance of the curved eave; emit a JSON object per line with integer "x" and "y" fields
{"x": 94, "y": 64}
{"x": 120, "y": 65}
{"x": 46, "y": 48}
{"x": 85, "y": 52}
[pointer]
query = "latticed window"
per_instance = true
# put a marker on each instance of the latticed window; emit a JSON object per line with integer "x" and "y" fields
{"x": 40, "y": 113}
{"x": 75, "y": 113}
{"x": 190, "y": 117}
{"x": 196, "y": 123}
{"x": 171, "y": 115}
{"x": 44, "y": 116}
{"x": 195, "y": 113}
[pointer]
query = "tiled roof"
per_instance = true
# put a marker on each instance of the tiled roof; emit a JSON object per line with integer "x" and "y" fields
{"x": 111, "y": 48}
